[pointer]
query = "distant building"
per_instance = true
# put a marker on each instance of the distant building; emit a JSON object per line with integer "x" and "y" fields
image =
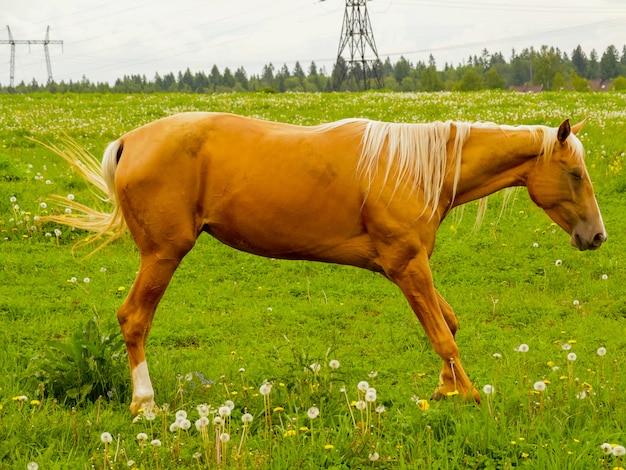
{"x": 597, "y": 84}
{"x": 528, "y": 88}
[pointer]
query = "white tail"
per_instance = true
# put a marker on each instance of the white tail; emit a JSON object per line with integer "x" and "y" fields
{"x": 106, "y": 226}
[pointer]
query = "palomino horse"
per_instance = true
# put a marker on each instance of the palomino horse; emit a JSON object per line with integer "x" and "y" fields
{"x": 356, "y": 192}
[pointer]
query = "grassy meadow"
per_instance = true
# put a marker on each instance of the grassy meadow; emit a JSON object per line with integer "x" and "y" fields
{"x": 267, "y": 358}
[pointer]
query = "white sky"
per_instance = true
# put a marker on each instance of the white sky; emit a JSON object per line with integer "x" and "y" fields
{"x": 106, "y": 39}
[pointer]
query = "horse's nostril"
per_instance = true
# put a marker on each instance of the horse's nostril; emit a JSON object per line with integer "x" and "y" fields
{"x": 599, "y": 239}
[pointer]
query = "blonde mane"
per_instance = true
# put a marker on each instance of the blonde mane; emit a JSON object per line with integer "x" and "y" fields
{"x": 416, "y": 155}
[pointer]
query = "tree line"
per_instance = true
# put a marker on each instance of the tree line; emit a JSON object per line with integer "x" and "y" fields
{"x": 548, "y": 67}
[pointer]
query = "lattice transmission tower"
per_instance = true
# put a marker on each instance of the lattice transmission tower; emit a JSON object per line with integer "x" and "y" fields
{"x": 45, "y": 43}
{"x": 357, "y": 36}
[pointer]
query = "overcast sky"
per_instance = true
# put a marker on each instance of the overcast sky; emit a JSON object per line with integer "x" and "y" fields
{"x": 104, "y": 40}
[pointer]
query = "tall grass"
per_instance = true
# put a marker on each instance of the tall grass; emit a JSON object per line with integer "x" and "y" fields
{"x": 257, "y": 336}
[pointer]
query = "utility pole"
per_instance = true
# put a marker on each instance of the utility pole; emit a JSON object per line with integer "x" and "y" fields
{"x": 45, "y": 43}
{"x": 358, "y": 37}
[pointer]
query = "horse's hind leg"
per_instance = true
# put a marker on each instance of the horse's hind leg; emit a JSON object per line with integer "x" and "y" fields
{"x": 135, "y": 318}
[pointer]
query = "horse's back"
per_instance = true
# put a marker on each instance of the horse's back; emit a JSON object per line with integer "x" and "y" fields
{"x": 264, "y": 187}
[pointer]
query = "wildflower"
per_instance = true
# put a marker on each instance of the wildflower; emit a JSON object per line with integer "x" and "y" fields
{"x": 380, "y": 409}
{"x": 86, "y": 280}
{"x": 535, "y": 245}
{"x": 329, "y": 446}
{"x": 32, "y": 466}
{"x": 576, "y": 303}
{"x": 290, "y": 433}
{"x": 202, "y": 422}
{"x": 618, "y": 451}
{"x": 452, "y": 393}
{"x": 360, "y": 405}
{"x": 313, "y": 412}
{"x": 142, "y": 436}
{"x": 217, "y": 421}
{"x": 363, "y": 386}
{"x": 523, "y": 348}
{"x": 230, "y": 404}
{"x": 72, "y": 279}
{"x": 539, "y": 386}
{"x": 43, "y": 205}
{"x": 370, "y": 395}
{"x": 315, "y": 367}
{"x": 601, "y": 351}
{"x": 247, "y": 418}
{"x": 21, "y": 398}
{"x": 303, "y": 429}
{"x": 184, "y": 424}
{"x": 121, "y": 289}
{"x": 103, "y": 269}
{"x": 571, "y": 357}
{"x": 224, "y": 411}
{"x": 13, "y": 199}
{"x": 607, "y": 449}
{"x": 155, "y": 443}
{"x": 203, "y": 410}
{"x": 35, "y": 402}
{"x": 497, "y": 355}
{"x": 278, "y": 409}
{"x": 334, "y": 364}
{"x": 106, "y": 437}
{"x": 488, "y": 389}
{"x": 149, "y": 415}
{"x": 374, "y": 456}
{"x": 265, "y": 389}
{"x": 581, "y": 395}
{"x": 423, "y": 405}
{"x": 566, "y": 347}
{"x": 558, "y": 262}
{"x": 188, "y": 376}
{"x": 372, "y": 374}
{"x": 604, "y": 277}
{"x": 224, "y": 437}
{"x": 130, "y": 463}
{"x": 174, "y": 426}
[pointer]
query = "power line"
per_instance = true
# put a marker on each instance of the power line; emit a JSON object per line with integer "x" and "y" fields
{"x": 45, "y": 43}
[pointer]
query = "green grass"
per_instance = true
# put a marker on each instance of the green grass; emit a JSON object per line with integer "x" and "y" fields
{"x": 226, "y": 311}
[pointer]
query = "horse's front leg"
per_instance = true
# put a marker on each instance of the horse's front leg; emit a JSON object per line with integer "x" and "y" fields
{"x": 437, "y": 318}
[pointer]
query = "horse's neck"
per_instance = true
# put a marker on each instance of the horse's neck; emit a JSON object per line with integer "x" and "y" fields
{"x": 494, "y": 159}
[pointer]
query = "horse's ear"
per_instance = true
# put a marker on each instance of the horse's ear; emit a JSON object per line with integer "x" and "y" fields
{"x": 577, "y": 127}
{"x": 564, "y": 131}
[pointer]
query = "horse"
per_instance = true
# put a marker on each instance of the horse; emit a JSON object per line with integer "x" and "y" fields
{"x": 355, "y": 192}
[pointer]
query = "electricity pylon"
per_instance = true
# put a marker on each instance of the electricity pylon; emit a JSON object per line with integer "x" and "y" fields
{"x": 45, "y": 43}
{"x": 358, "y": 37}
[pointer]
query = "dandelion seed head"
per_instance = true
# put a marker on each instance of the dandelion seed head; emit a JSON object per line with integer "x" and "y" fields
{"x": 576, "y": 303}
{"x": 558, "y": 262}
{"x": 523, "y": 348}
{"x": 571, "y": 357}
{"x": 374, "y": 456}
{"x": 601, "y": 351}
{"x": 247, "y": 418}
{"x": 618, "y": 451}
{"x": 155, "y": 443}
{"x": 489, "y": 389}
{"x": 224, "y": 437}
{"x": 265, "y": 389}
{"x": 313, "y": 412}
{"x": 539, "y": 386}
{"x": 202, "y": 422}
{"x": 605, "y": 277}
{"x": 32, "y": 466}
{"x": 363, "y": 386}
{"x": 607, "y": 449}
{"x": 315, "y": 367}
{"x": 566, "y": 347}
{"x": 334, "y": 364}
{"x": 106, "y": 437}
{"x": 224, "y": 411}
{"x": 360, "y": 405}
{"x": 142, "y": 436}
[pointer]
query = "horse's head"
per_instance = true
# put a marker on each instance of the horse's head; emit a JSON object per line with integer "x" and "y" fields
{"x": 560, "y": 185}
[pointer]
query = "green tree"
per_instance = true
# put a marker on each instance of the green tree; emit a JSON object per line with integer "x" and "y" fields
{"x": 609, "y": 63}
{"x": 493, "y": 79}
{"x": 471, "y": 80}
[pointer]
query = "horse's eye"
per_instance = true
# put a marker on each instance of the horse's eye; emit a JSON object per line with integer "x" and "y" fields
{"x": 576, "y": 174}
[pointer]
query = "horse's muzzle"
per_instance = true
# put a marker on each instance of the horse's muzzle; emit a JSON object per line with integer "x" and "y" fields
{"x": 595, "y": 243}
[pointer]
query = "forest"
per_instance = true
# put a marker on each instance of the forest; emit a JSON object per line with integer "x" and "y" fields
{"x": 547, "y": 68}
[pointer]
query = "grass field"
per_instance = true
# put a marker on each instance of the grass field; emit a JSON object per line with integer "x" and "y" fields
{"x": 231, "y": 322}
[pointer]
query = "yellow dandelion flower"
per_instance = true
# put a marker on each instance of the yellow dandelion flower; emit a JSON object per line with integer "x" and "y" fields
{"x": 421, "y": 375}
{"x": 524, "y": 455}
{"x": 513, "y": 443}
{"x": 550, "y": 364}
{"x": 572, "y": 341}
{"x": 35, "y": 402}
{"x": 564, "y": 377}
{"x": 290, "y": 433}
{"x": 121, "y": 289}
{"x": 329, "y": 447}
{"x": 234, "y": 392}
{"x": 452, "y": 393}
{"x": 280, "y": 384}
{"x": 546, "y": 381}
{"x": 0, "y": 406}
{"x": 278, "y": 409}
{"x": 423, "y": 405}
{"x": 304, "y": 429}
{"x": 521, "y": 438}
